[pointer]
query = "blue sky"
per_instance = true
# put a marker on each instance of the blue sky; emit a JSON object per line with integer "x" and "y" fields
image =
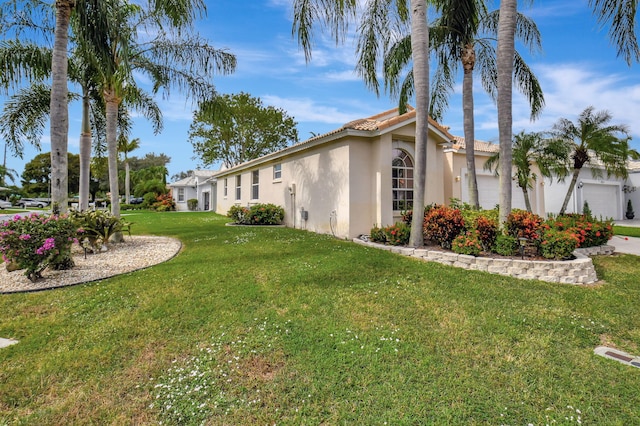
{"x": 577, "y": 68}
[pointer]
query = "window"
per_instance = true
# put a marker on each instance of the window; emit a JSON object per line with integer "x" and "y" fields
{"x": 226, "y": 187}
{"x": 238, "y": 187}
{"x": 402, "y": 173}
{"x": 181, "y": 195}
{"x": 277, "y": 171}
{"x": 255, "y": 184}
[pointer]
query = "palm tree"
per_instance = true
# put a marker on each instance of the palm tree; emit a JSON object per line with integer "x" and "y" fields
{"x": 549, "y": 155}
{"x": 463, "y": 27}
{"x": 593, "y": 140}
{"x": 125, "y": 147}
{"x": 505, "y": 57}
{"x": 621, "y": 14}
{"x": 59, "y": 108}
{"x": 168, "y": 59}
{"x": 375, "y": 34}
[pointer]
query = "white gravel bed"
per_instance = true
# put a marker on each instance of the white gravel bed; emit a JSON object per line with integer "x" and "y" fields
{"x": 134, "y": 253}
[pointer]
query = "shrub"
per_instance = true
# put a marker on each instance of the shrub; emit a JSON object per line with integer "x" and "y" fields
{"x": 192, "y": 204}
{"x": 442, "y": 224}
{"x": 378, "y": 235}
{"x": 522, "y": 224}
{"x": 506, "y": 245}
{"x": 558, "y": 244}
{"x": 467, "y": 243}
{"x": 589, "y": 232}
{"x": 485, "y": 222}
{"x": 98, "y": 226}
{"x": 258, "y": 214}
{"x": 163, "y": 203}
{"x": 34, "y": 242}
{"x": 398, "y": 234}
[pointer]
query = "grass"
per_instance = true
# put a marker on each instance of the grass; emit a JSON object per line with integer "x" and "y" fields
{"x": 274, "y": 325}
{"x": 627, "y": 231}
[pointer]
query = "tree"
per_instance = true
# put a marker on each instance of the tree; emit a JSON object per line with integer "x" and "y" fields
{"x": 463, "y": 27}
{"x": 621, "y": 15}
{"x": 505, "y": 56}
{"x": 549, "y": 155}
{"x": 181, "y": 175}
{"x": 238, "y": 128}
{"x": 375, "y": 33}
{"x": 59, "y": 108}
{"x": 169, "y": 58}
{"x": 36, "y": 176}
{"x": 593, "y": 140}
{"x": 125, "y": 147}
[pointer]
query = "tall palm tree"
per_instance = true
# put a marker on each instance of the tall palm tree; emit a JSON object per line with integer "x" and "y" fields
{"x": 463, "y": 27}
{"x": 375, "y": 28}
{"x": 169, "y": 59}
{"x": 505, "y": 57}
{"x": 621, "y": 15}
{"x": 550, "y": 156}
{"x": 125, "y": 147}
{"x": 59, "y": 108}
{"x": 593, "y": 140}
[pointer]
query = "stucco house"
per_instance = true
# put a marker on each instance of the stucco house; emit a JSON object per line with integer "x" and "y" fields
{"x": 345, "y": 181}
{"x": 199, "y": 185}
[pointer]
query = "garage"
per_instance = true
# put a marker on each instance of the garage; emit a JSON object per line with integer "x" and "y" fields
{"x": 603, "y": 199}
{"x": 489, "y": 193}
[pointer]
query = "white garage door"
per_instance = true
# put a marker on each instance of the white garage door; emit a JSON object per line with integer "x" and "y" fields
{"x": 489, "y": 194}
{"x": 604, "y": 200}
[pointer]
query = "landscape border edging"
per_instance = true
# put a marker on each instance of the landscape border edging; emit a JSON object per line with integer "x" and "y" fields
{"x": 577, "y": 271}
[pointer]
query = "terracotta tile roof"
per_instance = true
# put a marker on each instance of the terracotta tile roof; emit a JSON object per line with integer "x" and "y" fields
{"x": 479, "y": 146}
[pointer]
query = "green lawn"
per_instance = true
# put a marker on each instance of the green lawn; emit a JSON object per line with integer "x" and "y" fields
{"x": 627, "y": 231}
{"x": 274, "y": 325}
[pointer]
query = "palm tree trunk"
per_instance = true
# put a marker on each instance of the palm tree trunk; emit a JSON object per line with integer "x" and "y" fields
{"x": 112, "y": 102}
{"x": 505, "y": 58}
{"x": 468, "y": 63}
{"x": 527, "y": 202}
{"x": 59, "y": 108}
{"x": 85, "y": 152}
{"x": 127, "y": 181}
{"x": 420, "y": 53}
{"x": 572, "y": 185}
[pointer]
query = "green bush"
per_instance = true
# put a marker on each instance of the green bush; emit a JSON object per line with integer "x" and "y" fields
{"x": 558, "y": 244}
{"x": 467, "y": 243}
{"x": 98, "y": 226}
{"x": 258, "y": 214}
{"x": 34, "y": 242}
{"x": 522, "y": 224}
{"x": 506, "y": 245}
{"x": 378, "y": 235}
{"x": 590, "y": 232}
{"x": 192, "y": 204}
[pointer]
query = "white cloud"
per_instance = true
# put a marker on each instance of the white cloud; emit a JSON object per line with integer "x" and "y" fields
{"x": 307, "y": 110}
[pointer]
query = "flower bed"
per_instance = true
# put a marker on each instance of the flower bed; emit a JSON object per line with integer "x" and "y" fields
{"x": 577, "y": 271}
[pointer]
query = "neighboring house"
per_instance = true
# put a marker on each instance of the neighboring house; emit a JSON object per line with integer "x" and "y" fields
{"x": 199, "y": 185}
{"x": 342, "y": 182}
{"x": 456, "y": 178}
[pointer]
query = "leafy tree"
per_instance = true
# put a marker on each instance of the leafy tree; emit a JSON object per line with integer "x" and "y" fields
{"x": 593, "y": 140}
{"x": 550, "y": 156}
{"x": 150, "y": 159}
{"x": 37, "y": 172}
{"x": 181, "y": 175}
{"x": 238, "y": 128}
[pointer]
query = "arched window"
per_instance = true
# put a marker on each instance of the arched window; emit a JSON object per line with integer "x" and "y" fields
{"x": 402, "y": 172}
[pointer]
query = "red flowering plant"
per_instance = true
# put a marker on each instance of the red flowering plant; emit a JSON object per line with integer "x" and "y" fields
{"x": 558, "y": 244}
{"x": 164, "y": 203}
{"x": 37, "y": 241}
{"x": 398, "y": 234}
{"x": 467, "y": 243}
{"x": 442, "y": 224}
{"x": 589, "y": 231}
